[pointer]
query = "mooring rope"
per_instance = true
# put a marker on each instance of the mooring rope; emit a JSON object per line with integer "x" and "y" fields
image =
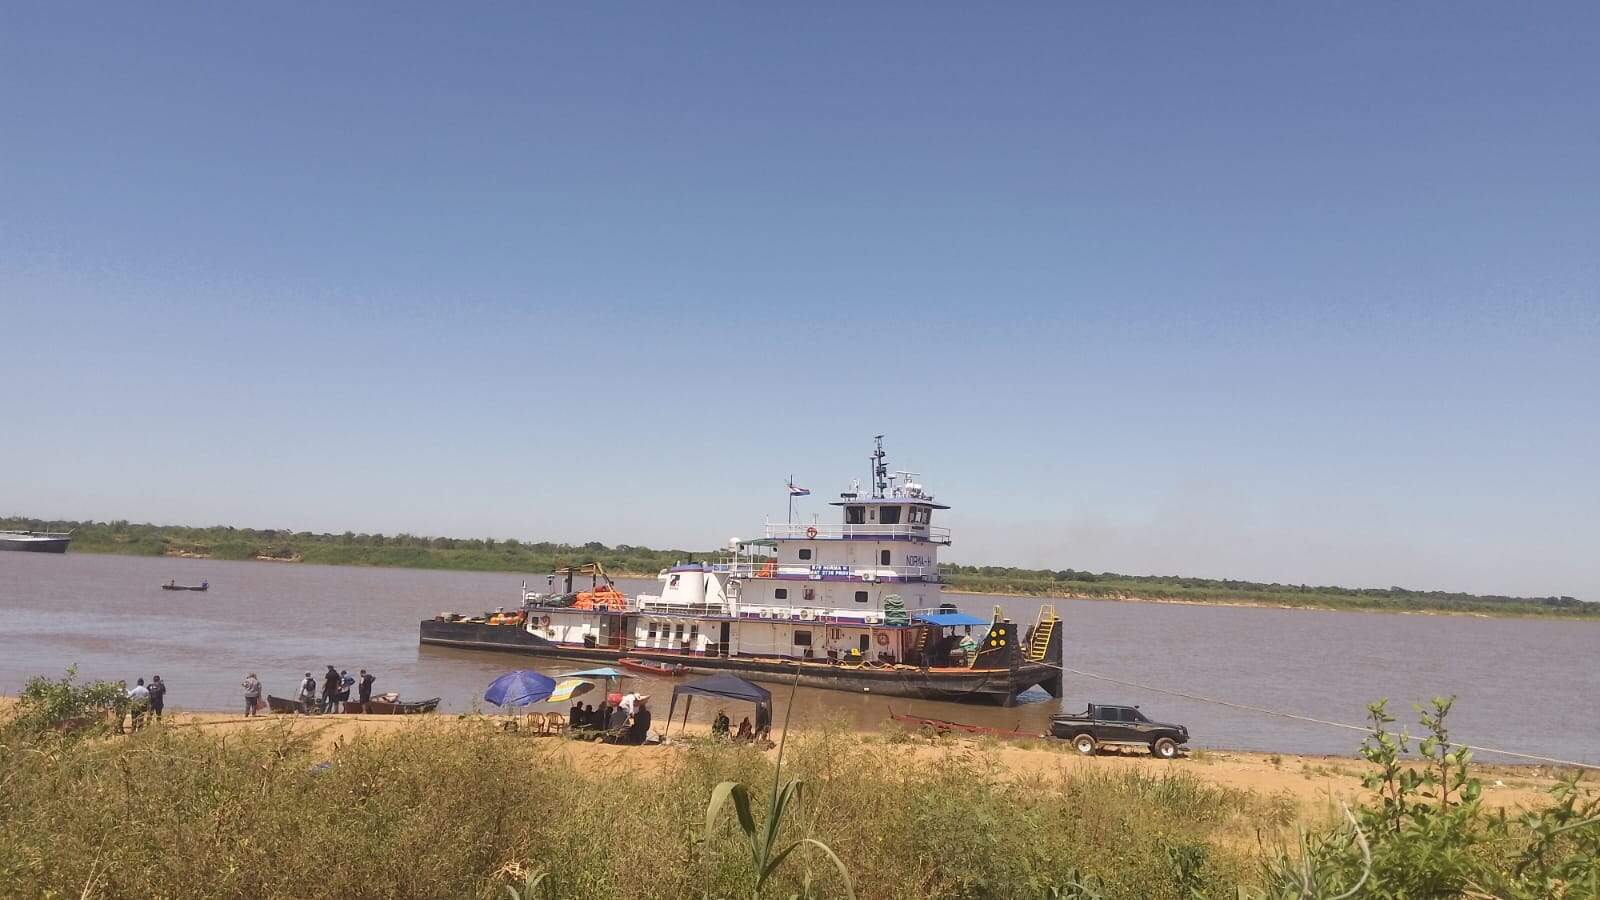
{"x": 1284, "y": 715}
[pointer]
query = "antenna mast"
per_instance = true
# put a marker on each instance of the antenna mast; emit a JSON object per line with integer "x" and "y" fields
{"x": 880, "y": 470}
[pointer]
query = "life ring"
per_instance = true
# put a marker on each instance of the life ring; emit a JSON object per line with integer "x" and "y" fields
{"x": 811, "y": 532}
{"x": 545, "y": 621}
{"x": 883, "y": 639}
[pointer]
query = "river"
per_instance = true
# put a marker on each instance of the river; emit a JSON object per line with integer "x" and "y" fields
{"x": 1526, "y": 685}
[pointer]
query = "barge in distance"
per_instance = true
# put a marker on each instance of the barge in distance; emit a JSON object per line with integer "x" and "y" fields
{"x": 36, "y": 541}
{"x": 854, "y": 606}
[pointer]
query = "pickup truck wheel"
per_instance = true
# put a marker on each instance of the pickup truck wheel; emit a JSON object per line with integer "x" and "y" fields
{"x": 1084, "y": 744}
{"x": 1165, "y": 748}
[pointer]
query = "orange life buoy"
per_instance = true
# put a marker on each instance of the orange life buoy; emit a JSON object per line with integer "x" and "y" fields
{"x": 767, "y": 571}
{"x": 811, "y": 532}
{"x": 883, "y": 639}
{"x": 545, "y": 621}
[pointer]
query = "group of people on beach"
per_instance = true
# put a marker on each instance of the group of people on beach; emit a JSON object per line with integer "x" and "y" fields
{"x": 145, "y": 699}
{"x": 336, "y": 687}
{"x": 619, "y": 720}
{"x": 760, "y": 732}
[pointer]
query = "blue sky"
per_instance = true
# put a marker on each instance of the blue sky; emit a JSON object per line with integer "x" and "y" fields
{"x": 1276, "y": 293}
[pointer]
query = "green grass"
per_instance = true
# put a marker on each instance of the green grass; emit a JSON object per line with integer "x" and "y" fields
{"x": 437, "y": 813}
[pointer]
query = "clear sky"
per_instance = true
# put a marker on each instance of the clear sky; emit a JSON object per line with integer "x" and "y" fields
{"x": 1300, "y": 292}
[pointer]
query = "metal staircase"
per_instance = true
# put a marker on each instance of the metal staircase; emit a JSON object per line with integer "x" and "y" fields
{"x": 1043, "y": 629}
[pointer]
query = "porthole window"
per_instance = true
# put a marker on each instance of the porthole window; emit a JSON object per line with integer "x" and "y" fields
{"x": 861, "y": 596}
{"x": 780, "y": 594}
{"x": 883, "y": 557}
{"x": 805, "y": 552}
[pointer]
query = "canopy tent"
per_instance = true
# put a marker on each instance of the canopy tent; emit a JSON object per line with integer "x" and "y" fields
{"x": 950, "y": 619}
{"x": 730, "y": 687}
{"x": 520, "y": 688}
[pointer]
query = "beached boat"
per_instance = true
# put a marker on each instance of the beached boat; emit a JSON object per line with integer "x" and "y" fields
{"x": 35, "y": 541}
{"x": 186, "y": 587}
{"x": 856, "y": 605}
{"x": 280, "y": 705}
{"x": 653, "y": 667}
{"x": 392, "y": 707}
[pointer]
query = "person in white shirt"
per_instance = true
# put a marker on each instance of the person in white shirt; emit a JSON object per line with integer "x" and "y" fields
{"x": 139, "y": 701}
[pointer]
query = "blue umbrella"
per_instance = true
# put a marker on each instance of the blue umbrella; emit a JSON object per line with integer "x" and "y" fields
{"x": 519, "y": 688}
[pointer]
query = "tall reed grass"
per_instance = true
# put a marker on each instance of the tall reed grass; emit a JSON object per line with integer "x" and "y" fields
{"x": 438, "y": 812}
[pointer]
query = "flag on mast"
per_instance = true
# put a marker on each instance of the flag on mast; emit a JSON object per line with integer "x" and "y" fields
{"x": 796, "y": 490}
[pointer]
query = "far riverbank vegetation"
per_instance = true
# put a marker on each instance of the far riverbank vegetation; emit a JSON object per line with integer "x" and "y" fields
{"x": 459, "y": 807}
{"x": 510, "y": 555}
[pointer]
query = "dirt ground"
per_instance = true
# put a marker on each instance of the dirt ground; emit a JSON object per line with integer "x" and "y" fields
{"x": 1315, "y": 784}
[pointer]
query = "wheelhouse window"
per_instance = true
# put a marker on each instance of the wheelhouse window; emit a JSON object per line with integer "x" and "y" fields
{"x": 855, "y": 515}
{"x": 883, "y": 557}
{"x": 652, "y": 629}
{"x": 805, "y": 552}
{"x": 694, "y": 632}
{"x": 889, "y": 515}
{"x": 780, "y": 594}
{"x": 802, "y": 638}
{"x": 678, "y": 631}
{"x": 861, "y": 596}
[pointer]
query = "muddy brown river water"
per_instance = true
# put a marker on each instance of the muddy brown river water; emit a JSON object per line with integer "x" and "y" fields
{"x": 1521, "y": 684}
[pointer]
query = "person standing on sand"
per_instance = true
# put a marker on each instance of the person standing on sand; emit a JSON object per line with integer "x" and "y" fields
{"x": 330, "y": 689}
{"x": 158, "y": 695}
{"x": 364, "y": 690}
{"x": 252, "y": 693}
{"x": 308, "y": 693}
{"x": 346, "y": 682}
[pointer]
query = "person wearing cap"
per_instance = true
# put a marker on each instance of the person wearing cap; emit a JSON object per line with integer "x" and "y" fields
{"x": 308, "y": 693}
{"x": 252, "y": 693}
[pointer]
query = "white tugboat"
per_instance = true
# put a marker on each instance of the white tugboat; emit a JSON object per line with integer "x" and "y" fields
{"x": 855, "y": 605}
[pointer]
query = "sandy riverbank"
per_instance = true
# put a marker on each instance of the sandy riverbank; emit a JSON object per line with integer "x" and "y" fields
{"x": 1312, "y": 783}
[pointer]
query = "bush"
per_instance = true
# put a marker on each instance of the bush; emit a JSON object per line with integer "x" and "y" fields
{"x": 62, "y": 707}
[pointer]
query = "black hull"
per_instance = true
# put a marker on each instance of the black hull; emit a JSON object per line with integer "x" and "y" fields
{"x": 968, "y": 685}
{"x": 46, "y": 546}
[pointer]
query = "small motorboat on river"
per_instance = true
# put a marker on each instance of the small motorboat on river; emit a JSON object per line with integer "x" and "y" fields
{"x": 654, "y": 667}
{"x": 174, "y": 586}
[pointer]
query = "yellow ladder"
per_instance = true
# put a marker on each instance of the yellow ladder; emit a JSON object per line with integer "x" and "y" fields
{"x": 1043, "y": 629}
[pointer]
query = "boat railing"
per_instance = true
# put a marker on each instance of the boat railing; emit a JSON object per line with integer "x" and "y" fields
{"x": 935, "y": 534}
{"x": 760, "y": 568}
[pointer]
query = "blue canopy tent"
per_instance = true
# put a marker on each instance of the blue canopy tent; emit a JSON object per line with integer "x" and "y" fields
{"x": 520, "y": 688}
{"x": 730, "y": 687}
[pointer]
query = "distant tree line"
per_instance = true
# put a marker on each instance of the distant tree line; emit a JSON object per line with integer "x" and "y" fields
{"x": 512, "y": 555}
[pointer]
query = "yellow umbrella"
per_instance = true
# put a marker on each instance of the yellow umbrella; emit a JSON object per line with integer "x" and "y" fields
{"x": 566, "y": 690}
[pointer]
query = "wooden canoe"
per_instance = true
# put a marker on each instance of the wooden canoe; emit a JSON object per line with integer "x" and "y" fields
{"x": 386, "y": 708}
{"x": 652, "y": 667}
{"x": 943, "y": 726}
{"x": 280, "y": 705}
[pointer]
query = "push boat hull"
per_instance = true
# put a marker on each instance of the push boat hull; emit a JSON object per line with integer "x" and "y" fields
{"x": 988, "y": 685}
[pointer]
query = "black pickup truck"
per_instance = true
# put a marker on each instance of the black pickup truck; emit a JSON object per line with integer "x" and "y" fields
{"x": 1101, "y": 726}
